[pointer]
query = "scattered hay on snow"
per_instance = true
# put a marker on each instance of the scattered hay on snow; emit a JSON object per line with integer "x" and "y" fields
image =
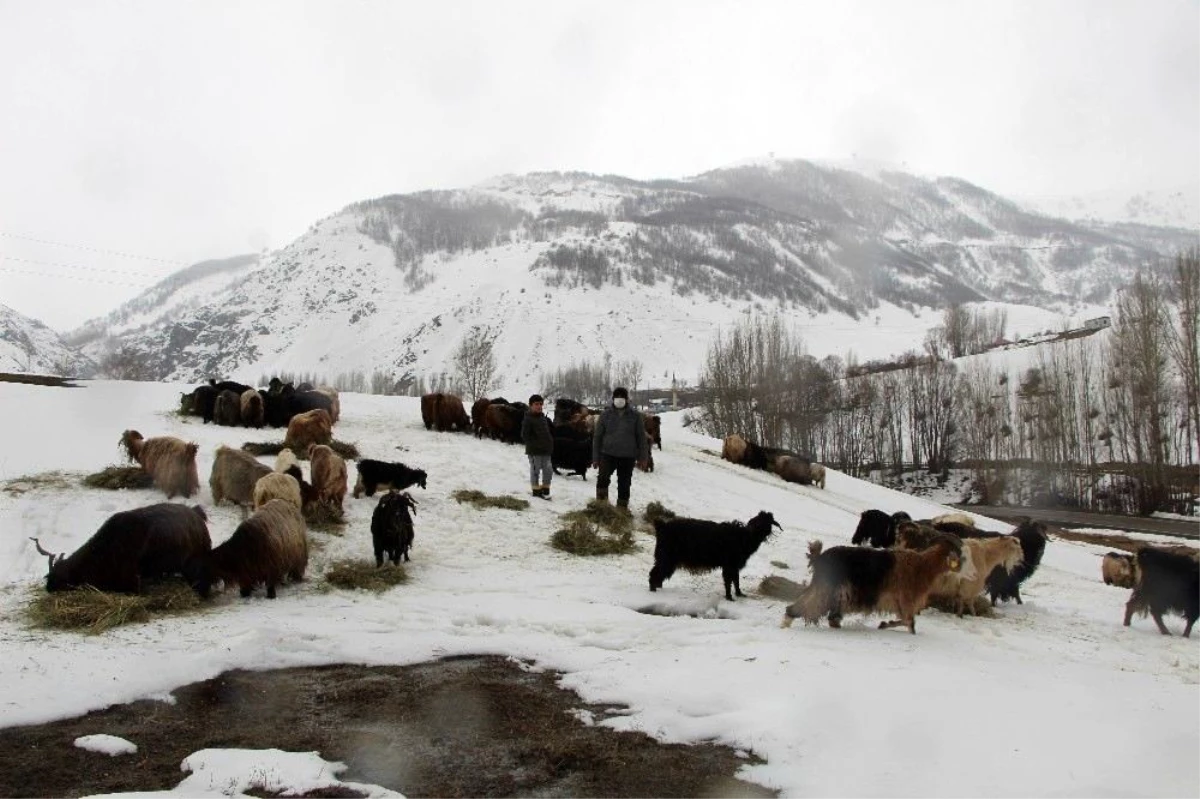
{"x": 256, "y": 448}
{"x": 481, "y": 500}
{"x": 364, "y": 575}
{"x": 90, "y": 611}
{"x": 598, "y": 529}
{"x": 115, "y": 478}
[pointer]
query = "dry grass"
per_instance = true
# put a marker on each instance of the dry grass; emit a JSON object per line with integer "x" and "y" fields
{"x": 365, "y": 576}
{"x": 115, "y": 478}
{"x": 90, "y": 611}
{"x": 481, "y": 500}
{"x": 47, "y": 480}
{"x": 347, "y": 451}
{"x": 598, "y": 529}
{"x": 581, "y": 537}
{"x": 981, "y": 604}
{"x": 778, "y": 587}
{"x": 324, "y": 517}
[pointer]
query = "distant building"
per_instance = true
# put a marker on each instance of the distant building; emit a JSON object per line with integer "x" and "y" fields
{"x": 1098, "y": 323}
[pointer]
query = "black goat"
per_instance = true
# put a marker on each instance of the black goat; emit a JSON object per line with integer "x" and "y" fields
{"x": 374, "y": 474}
{"x": 1166, "y": 582}
{"x": 392, "y": 527}
{"x": 572, "y": 450}
{"x": 877, "y": 529}
{"x": 698, "y": 545}
{"x": 152, "y": 541}
{"x": 1006, "y": 585}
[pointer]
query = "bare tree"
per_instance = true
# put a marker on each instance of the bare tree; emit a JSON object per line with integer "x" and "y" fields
{"x": 475, "y": 365}
{"x": 1184, "y": 343}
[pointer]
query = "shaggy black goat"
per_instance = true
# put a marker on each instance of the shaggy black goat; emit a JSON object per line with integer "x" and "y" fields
{"x": 152, "y": 541}
{"x": 698, "y": 545}
{"x": 572, "y": 450}
{"x": 392, "y": 526}
{"x": 1007, "y": 585}
{"x": 877, "y": 529}
{"x": 375, "y": 474}
{"x": 1166, "y": 582}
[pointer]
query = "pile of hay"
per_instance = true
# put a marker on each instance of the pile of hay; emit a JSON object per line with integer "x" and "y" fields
{"x": 256, "y": 448}
{"x": 657, "y": 511}
{"x": 115, "y": 478}
{"x": 481, "y": 500}
{"x": 778, "y": 587}
{"x": 598, "y": 529}
{"x": 981, "y": 604}
{"x": 324, "y": 517}
{"x": 91, "y": 611}
{"x": 364, "y": 575}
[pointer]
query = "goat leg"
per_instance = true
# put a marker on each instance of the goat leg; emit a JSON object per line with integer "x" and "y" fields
{"x": 1162, "y": 628}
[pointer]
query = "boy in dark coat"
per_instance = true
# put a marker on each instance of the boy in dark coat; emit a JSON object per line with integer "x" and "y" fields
{"x": 537, "y": 433}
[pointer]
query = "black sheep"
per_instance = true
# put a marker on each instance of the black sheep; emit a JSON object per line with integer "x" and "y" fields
{"x": 228, "y": 408}
{"x": 374, "y": 474}
{"x": 698, "y": 545}
{"x": 1166, "y": 582}
{"x": 1006, "y": 585}
{"x": 392, "y": 527}
{"x": 153, "y": 541}
{"x": 229, "y": 385}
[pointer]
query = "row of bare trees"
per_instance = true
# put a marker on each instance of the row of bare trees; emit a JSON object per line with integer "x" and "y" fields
{"x": 1109, "y": 421}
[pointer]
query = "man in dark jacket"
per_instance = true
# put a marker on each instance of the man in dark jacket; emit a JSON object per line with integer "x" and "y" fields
{"x": 537, "y": 433}
{"x": 619, "y": 442}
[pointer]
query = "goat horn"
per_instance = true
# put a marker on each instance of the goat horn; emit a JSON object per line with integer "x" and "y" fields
{"x": 41, "y": 551}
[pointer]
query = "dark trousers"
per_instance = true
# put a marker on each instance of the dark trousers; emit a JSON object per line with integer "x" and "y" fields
{"x": 624, "y": 469}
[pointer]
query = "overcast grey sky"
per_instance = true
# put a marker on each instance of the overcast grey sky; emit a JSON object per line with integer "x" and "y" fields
{"x": 185, "y": 131}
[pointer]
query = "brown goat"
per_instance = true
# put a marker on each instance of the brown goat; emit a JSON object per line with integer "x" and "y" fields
{"x": 170, "y": 461}
{"x": 653, "y": 428}
{"x": 980, "y": 556}
{"x": 308, "y": 428}
{"x": 253, "y": 409}
{"x": 234, "y": 475}
{"x": 860, "y": 580}
{"x": 269, "y": 547}
{"x": 1119, "y": 569}
{"x": 277, "y": 486}
{"x": 733, "y": 448}
{"x": 328, "y": 472}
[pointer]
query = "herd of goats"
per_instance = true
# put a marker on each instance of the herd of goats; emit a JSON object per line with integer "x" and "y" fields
{"x": 895, "y": 565}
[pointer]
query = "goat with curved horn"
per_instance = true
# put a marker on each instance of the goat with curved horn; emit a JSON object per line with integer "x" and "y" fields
{"x": 41, "y": 551}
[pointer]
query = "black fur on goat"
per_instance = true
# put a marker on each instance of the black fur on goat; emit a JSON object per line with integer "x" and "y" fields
{"x": 392, "y": 527}
{"x": 1166, "y": 583}
{"x": 699, "y": 545}
{"x": 153, "y": 541}
{"x": 374, "y": 474}
{"x": 877, "y": 529}
{"x": 1006, "y": 585}
{"x": 572, "y": 450}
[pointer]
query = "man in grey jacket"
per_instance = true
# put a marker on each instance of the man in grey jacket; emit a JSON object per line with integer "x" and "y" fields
{"x": 618, "y": 443}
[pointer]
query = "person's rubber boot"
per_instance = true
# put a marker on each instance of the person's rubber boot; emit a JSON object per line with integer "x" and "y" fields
{"x": 623, "y": 503}
{"x": 602, "y": 496}
{"x": 545, "y": 492}
{"x": 536, "y": 490}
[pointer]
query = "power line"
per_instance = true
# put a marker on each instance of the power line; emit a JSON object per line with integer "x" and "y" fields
{"x": 91, "y": 249}
{"x": 79, "y": 266}
{"x": 80, "y": 278}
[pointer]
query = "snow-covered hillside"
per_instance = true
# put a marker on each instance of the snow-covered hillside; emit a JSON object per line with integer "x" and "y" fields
{"x": 1177, "y": 207}
{"x": 558, "y": 268}
{"x": 1053, "y": 697}
{"x": 27, "y": 345}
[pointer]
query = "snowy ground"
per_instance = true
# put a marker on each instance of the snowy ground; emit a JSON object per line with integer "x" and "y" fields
{"x": 1054, "y": 697}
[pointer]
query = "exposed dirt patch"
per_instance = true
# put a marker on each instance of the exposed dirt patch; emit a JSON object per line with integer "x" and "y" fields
{"x": 37, "y": 380}
{"x": 472, "y": 726}
{"x": 1118, "y": 541}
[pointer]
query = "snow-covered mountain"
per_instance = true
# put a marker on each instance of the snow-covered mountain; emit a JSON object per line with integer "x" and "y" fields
{"x": 27, "y": 345}
{"x": 561, "y": 267}
{"x": 1176, "y": 207}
